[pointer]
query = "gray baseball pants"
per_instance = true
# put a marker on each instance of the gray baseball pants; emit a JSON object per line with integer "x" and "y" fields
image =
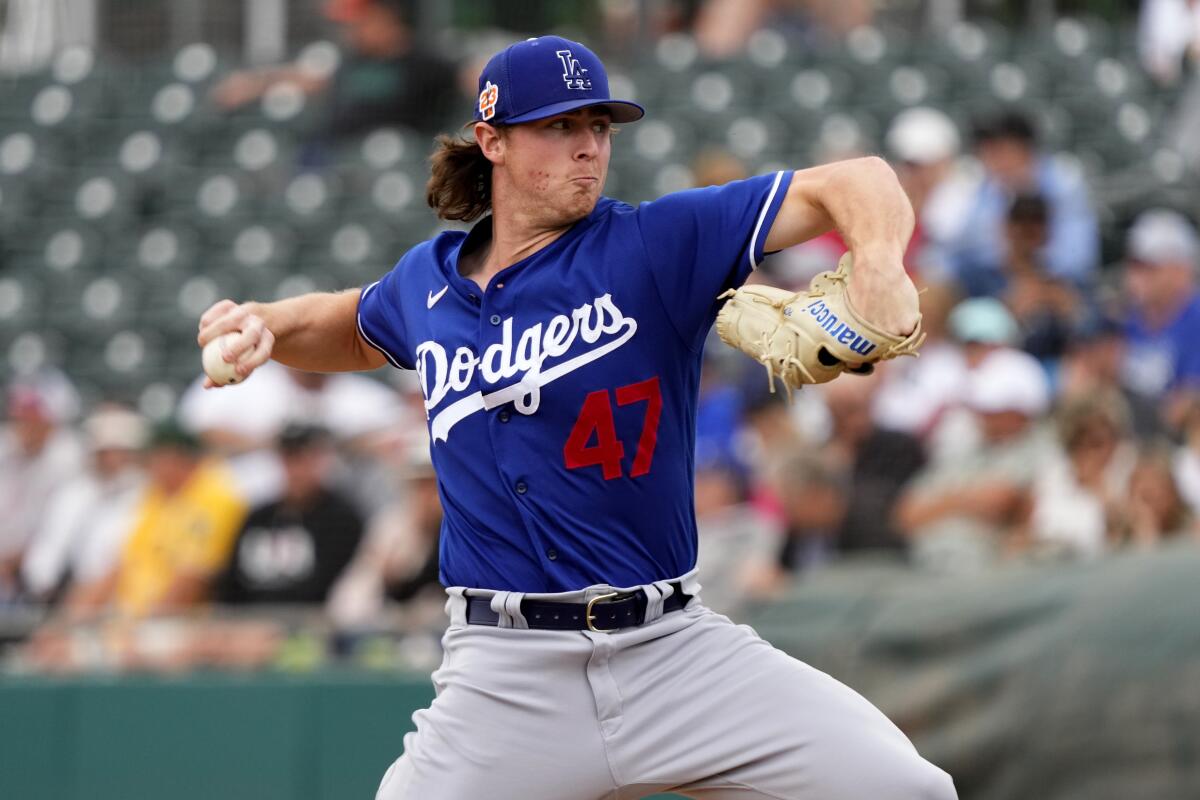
{"x": 688, "y": 703}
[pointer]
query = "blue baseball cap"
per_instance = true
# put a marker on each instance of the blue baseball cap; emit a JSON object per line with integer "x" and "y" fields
{"x": 542, "y": 77}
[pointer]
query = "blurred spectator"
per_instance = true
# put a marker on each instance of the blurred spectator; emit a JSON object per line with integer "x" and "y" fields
{"x": 397, "y": 559}
{"x": 917, "y": 391}
{"x": 723, "y": 26}
{"x": 292, "y": 550}
{"x": 1169, "y": 47}
{"x": 1186, "y": 461}
{"x": 1168, "y": 38}
{"x": 924, "y": 145}
{"x": 978, "y": 327}
{"x": 1045, "y": 307}
{"x": 715, "y": 166}
{"x": 815, "y": 500}
{"x": 773, "y": 430}
{"x": 384, "y": 77}
{"x": 38, "y": 454}
{"x": 251, "y": 415}
{"x": 1162, "y": 253}
{"x": 1079, "y": 495}
{"x": 736, "y": 539}
{"x": 186, "y": 521}
{"x": 737, "y": 542}
{"x": 1094, "y": 364}
{"x": 1007, "y": 147}
{"x": 1154, "y": 509}
{"x": 88, "y": 518}
{"x": 876, "y": 463}
{"x": 245, "y": 420}
{"x": 960, "y": 511}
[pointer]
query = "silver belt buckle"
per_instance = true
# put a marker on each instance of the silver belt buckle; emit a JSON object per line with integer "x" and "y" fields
{"x": 588, "y": 612}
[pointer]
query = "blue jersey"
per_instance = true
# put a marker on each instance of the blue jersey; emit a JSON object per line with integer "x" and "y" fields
{"x": 562, "y": 400}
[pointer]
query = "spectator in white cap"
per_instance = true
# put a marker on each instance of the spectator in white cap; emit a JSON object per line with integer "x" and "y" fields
{"x": 84, "y": 529}
{"x": 960, "y": 512}
{"x": 924, "y": 146}
{"x": 1161, "y": 256}
{"x": 978, "y": 327}
{"x": 38, "y": 453}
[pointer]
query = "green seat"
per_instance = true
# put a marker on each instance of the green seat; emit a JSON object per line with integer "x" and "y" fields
{"x": 93, "y": 305}
{"x": 21, "y": 302}
{"x": 103, "y": 199}
{"x": 217, "y": 202}
{"x": 309, "y": 199}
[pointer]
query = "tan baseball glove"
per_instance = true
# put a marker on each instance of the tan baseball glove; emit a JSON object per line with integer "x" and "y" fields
{"x": 808, "y": 337}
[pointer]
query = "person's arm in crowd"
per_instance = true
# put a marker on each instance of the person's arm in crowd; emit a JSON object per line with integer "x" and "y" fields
{"x": 991, "y": 500}
{"x": 863, "y": 199}
{"x": 314, "y": 332}
{"x": 187, "y": 590}
{"x": 86, "y": 600}
{"x": 247, "y": 85}
{"x": 1073, "y": 249}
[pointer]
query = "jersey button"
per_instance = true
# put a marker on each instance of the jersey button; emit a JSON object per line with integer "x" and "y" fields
{"x": 521, "y": 487}
{"x": 503, "y": 415}
{"x": 552, "y": 554}
{"x": 495, "y": 320}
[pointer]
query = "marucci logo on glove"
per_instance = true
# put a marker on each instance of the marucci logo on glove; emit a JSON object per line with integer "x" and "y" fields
{"x": 808, "y": 337}
{"x": 838, "y": 328}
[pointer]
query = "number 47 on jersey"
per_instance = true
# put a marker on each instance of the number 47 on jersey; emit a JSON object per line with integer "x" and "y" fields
{"x": 596, "y": 421}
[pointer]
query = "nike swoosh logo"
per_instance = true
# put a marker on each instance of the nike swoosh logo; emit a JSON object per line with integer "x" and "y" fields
{"x": 431, "y": 301}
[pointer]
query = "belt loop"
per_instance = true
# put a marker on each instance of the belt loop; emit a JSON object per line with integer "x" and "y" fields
{"x": 512, "y": 607}
{"x": 690, "y": 584}
{"x": 507, "y": 606}
{"x": 654, "y": 601}
{"x": 456, "y": 606}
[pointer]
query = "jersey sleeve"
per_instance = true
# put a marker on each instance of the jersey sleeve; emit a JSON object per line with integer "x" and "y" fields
{"x": 700, "y": 242}
{"x": 381, "y": 319}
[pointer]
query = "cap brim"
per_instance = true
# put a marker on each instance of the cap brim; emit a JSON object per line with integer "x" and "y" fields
{"x": 622, "y": 110}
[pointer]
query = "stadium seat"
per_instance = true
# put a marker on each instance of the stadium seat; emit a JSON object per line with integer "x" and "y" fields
{"x": 216, "y": 201}
{"x": 32, "y": 349}
{"x": 72, "y": 248}
{"x": 21, "y": 301}
{"x": 92, "y": 306}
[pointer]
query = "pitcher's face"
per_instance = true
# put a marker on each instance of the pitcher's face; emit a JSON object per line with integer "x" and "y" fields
{"x": 556, "y": 167}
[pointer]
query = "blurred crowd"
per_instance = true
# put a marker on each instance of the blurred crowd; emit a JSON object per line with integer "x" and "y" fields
{"x": 292, "y": 489}
{"x": 1054, "y": 412}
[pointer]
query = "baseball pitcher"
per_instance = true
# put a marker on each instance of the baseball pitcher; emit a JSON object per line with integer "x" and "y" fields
{"x": 558, "y": 345}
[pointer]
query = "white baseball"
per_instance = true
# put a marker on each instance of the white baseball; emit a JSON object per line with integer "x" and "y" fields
{"x": 222, "y": 372}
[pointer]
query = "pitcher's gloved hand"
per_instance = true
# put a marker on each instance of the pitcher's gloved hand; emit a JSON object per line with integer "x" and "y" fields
{"x": 809, "y": 337}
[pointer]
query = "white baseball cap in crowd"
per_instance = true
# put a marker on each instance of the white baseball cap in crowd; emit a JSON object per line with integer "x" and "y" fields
{"x": 922, "y": 135}
{"x": 1161, "y": 236}
{"x": 47, "y": 394}
{"x": 1009, "y": 380}
{"x": 116, "y": 428}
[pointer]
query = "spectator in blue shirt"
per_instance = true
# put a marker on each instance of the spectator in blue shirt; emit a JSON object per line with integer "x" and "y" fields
{"x": 1007, "y": 148}
{"x": 1162, "y": 253}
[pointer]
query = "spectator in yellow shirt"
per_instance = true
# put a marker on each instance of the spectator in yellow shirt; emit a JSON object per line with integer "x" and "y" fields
{"x": 184, "y": 529}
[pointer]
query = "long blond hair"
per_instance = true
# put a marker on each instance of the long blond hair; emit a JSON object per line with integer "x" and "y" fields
{"x": 460, "y": 181}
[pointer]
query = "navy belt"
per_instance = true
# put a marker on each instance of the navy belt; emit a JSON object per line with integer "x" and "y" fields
{"x": 604, "y": 612}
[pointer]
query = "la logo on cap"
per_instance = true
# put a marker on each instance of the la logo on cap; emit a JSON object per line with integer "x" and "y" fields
{"x": 573, "y": 72}
{"x": 488, "y": 98}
